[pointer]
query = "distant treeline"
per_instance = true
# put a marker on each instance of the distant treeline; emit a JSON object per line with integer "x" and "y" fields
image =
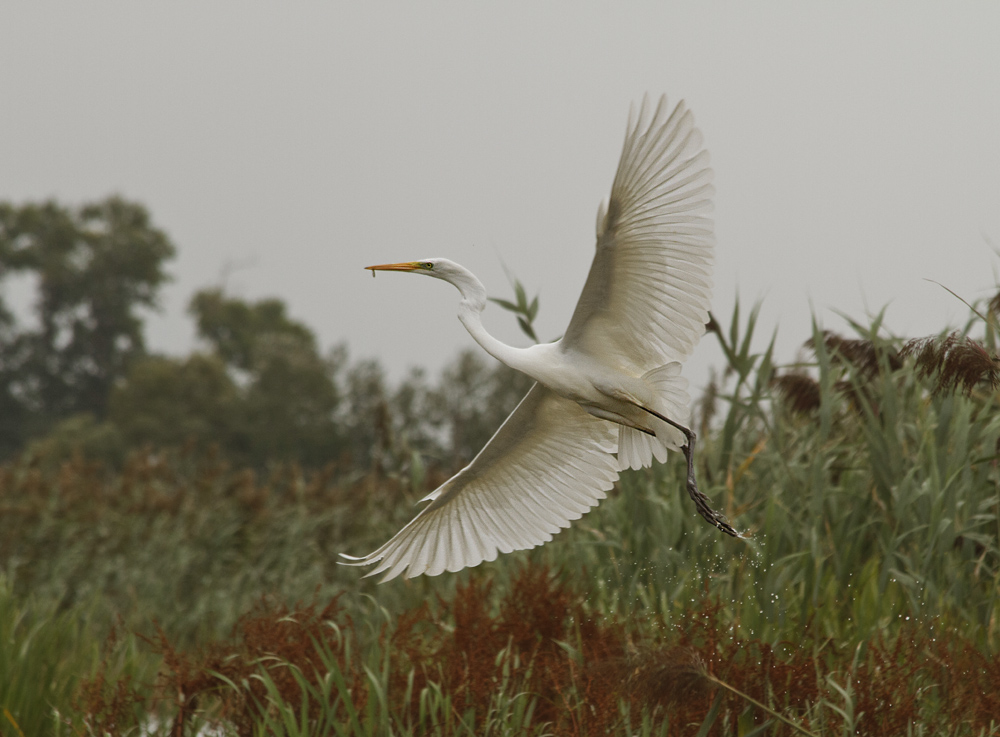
{"x": 78, "y": 378}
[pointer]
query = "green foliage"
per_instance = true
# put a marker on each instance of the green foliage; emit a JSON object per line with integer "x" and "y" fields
{"x": 166, "y": 402}
{"x": 283, "y": 408}
{"x": 881, "y": 503}
{"x": 264, "y": 395}
{"x": 39, "y": 649}
{"x": 47, "y": 653}
{"x": 863, "y": 599}
{"x": 236, "y": 328}
{"x": 535, "y": 660}
{"x": 366, "y": 418}
{"x": 525, "y": 311}
{"x": 79, "y": 435}
{"x": 261, "y": 393}
{"x": 289, "y": 404}
{"x": 96, "y": 267}
{"x": 474, "y": 398}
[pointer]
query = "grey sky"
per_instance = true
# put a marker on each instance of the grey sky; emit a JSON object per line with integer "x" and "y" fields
{"x": 855, "y": 146}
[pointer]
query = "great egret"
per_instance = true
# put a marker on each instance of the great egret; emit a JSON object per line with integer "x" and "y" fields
{"x": 611, "y": 385}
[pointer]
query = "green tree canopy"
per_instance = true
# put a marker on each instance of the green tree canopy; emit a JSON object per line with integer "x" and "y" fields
{"x": 78, "y": 377}
{"x": 96, "y": 267}
{"x": 168, "y": 402}
{"x": 473, "y": 399}
{"x": 235, "y": 327}
{"x": 287, "y": 393}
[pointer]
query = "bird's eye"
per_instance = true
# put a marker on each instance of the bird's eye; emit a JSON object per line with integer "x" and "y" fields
{"x": 427, "y": 265}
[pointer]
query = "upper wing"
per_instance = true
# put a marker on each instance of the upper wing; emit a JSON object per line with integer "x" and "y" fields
{"x": 548, "y": 463}
{"x": 648, "y": 291}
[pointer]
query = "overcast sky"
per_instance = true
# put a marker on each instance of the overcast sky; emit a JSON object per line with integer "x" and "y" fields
{"x": 856, "y": 148}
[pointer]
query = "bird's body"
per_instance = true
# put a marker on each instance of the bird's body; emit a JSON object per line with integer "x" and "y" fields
{"x": 609, "y": 394}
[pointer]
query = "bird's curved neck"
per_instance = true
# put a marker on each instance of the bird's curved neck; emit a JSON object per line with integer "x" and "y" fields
{"x": 472, "y": 319}
{"x": 470, "y": 311}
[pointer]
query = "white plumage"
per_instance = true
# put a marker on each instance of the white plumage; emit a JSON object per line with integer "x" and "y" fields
{"x": 611, "y": 386}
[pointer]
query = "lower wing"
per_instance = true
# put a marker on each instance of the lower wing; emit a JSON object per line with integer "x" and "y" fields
{"x": 548, "y": 464}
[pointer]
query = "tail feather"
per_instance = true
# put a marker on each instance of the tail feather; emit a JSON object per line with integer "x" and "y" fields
{"x": 637, "y": 449}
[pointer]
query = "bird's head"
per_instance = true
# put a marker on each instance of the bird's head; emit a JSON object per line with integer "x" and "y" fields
{"x": 441, "y": 268}
{"x": 437, "y": 267}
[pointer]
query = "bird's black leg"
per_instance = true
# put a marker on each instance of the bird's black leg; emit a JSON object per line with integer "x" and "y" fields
{"x": 701, "y": 502}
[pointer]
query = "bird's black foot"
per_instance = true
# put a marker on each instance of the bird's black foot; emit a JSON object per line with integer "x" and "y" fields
{"x": 701, "y": 502}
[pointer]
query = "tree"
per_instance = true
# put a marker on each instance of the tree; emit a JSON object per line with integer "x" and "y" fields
{"x": 235, "y": 328}
{"x": 287, "y": 393}
{"x": 97, "y": 267}
{"x": 290, "y": 402}
{"x": 167, "y": 402}
{"x": 14, "y": 415}
{"x": 416, "y": 421}
{"x": 365, "y": 416}
{"x": 474, "y": 399}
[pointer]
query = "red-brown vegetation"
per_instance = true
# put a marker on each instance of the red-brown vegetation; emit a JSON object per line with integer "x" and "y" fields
{"x": 541, "y": 640}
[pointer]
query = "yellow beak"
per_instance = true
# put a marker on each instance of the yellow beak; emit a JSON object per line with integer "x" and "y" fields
{"x": 404, "y": 266}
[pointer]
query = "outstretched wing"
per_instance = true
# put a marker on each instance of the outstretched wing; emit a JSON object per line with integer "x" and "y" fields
{"x": 549, "y": 463}
{"x": 647, "y": 295}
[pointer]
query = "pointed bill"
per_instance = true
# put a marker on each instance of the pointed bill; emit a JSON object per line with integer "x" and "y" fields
{"x": 403, "y": 266}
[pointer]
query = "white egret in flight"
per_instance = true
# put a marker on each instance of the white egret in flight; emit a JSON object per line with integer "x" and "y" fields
{"x": 608, "y": 395}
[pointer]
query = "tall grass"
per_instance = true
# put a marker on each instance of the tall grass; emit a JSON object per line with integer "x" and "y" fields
{"x": 864, "y": 597}
{"x": 879, "y": 504}
{"x": 41, "y": 653}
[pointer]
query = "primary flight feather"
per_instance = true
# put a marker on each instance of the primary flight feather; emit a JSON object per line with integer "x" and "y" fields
{"x": 609, "y": 394}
